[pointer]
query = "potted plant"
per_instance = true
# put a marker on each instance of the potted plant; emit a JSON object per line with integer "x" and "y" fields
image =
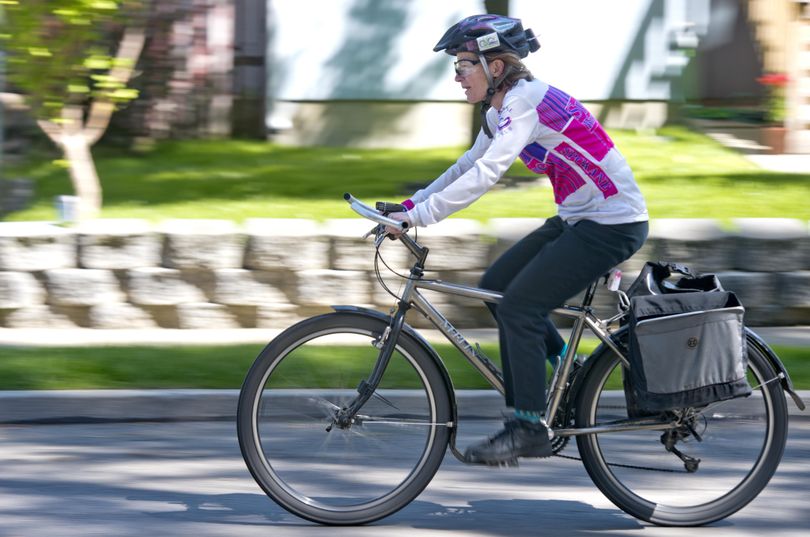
{"x": 776, "y": 111}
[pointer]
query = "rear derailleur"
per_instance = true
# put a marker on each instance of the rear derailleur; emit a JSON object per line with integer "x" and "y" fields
{"x": 682, "y": 432}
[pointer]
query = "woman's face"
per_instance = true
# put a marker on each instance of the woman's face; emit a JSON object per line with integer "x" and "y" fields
{"x": 470, "y": 74}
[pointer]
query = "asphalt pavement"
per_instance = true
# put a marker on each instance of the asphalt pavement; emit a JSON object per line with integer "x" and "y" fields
{"x": 188, "y": 479}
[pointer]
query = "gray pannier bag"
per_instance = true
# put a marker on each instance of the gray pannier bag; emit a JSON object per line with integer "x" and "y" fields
{"x": 686, "y": 347}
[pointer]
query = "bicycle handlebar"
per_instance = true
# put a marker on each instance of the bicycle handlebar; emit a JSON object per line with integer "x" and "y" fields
{"x": 372, "y": 214}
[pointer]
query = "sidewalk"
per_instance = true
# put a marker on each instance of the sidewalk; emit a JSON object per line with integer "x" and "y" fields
{"x": 796, "y": 336}
{"x": 782, "y": 163}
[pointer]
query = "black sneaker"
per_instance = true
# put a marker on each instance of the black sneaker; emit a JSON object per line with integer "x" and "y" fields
{"x": 519, "y": 438}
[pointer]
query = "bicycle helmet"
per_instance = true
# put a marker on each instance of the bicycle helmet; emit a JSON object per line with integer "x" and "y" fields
{"x": 481, "y": 34}
{"x": 488, "y": 33}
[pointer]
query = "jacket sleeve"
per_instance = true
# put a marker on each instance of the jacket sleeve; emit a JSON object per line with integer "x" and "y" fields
{"x": 464, "y": 163}
{"x": 446, "y": 195}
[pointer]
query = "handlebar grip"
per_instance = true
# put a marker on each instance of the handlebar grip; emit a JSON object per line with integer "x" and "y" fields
{"x": 386, "y": 207}
{"x": 372, "y": 214}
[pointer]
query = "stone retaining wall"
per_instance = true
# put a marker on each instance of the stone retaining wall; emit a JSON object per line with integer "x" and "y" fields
{"x": 269, "y": 273}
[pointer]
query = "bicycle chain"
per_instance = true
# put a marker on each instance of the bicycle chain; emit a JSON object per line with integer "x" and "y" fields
{"x": 630, "y": 466}
{"x": 614, "y": 464}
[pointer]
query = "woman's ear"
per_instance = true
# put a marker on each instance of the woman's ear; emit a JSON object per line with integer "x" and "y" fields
{"x": 496, "y": 68}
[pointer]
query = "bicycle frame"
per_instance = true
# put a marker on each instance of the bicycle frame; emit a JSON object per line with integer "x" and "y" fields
{"x": 583, "y": 316}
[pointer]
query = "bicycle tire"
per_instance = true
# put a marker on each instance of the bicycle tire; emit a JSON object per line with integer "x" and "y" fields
{"x": 742, "y": 442}
{"x": 340, "y": 476}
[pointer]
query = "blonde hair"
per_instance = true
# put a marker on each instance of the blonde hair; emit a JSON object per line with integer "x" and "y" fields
{"x": 513, "y": 67}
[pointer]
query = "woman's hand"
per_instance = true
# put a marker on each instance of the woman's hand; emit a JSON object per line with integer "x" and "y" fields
{"x": 400, "y": 217}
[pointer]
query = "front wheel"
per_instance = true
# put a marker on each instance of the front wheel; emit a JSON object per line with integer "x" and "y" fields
{"x": 336, "y": 473}
{"x": 739, "y": 444}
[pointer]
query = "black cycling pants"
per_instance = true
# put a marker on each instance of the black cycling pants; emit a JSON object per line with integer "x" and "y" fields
{"x": 539, "y": 273}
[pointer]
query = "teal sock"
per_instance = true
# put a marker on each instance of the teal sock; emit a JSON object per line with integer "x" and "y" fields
{"x": 528, "y": 415}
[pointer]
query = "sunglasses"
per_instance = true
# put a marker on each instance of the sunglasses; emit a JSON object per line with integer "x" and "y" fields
{"x": 465, "y": 67}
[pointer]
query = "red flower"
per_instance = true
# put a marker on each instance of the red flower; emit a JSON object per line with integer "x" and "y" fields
{"x": 774, "y": 79}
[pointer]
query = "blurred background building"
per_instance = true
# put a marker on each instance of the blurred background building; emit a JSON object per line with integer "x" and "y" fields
{"x": 362, "y": 72}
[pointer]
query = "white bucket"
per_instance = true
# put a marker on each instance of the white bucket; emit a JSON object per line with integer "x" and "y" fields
{"x": 67, "y": 208}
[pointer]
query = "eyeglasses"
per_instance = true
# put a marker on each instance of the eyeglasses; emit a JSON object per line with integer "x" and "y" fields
{"x": 465, "y": 67}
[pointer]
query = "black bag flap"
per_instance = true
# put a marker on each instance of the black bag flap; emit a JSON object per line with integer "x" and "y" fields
{"x": 643, "y": 307}
{"x": 653, "y": 280}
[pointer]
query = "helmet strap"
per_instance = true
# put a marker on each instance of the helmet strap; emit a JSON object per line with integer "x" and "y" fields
{"x": 491, "y": 91}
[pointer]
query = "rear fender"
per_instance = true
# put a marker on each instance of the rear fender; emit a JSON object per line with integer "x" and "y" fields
{"x": 787, "y": 384}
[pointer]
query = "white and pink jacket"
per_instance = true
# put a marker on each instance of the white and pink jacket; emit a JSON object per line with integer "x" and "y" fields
{"x": 553, "y": 134}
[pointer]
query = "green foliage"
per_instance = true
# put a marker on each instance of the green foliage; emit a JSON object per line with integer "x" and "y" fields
{"x": 60, "y": 52}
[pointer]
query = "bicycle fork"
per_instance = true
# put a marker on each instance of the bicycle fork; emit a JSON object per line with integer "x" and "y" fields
{"x": 345, "y": 417}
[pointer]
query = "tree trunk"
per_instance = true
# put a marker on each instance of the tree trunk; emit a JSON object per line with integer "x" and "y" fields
{"x": 83, "y": 173}
{"x": 76, "y": 134}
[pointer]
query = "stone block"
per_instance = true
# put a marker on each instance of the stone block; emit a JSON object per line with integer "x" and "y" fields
{"x": 204, "y": 315}
{"x": 349, "y": 251}
{"x": 82, "y": 287}
{"x": 285, "y": 244}
{"x": 118, "y": 244}
{"x": 506, "y": 232}
{"x": 20, "y": 289}
{"x": 328, "y": 287}
{"x": 202, "y": 244}
{"x": 240, "y": 287}
{"x": 119, "y": 315}
{"x": 40, "y": 316}
{"x": 793, "y": 289}
{"x": 276, "y": 316}
{"x": 157, "y": 286}
{"x": 456, "y": 244}
{"x": 380, "y": 297}
{"x": 770, "y": 244}
{"x": 35, "y": 246}
{"x": 699, "y": 243}
{"x": 754, "y": 289}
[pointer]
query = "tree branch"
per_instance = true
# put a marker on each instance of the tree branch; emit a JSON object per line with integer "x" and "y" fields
{"x": 101, "y": 110}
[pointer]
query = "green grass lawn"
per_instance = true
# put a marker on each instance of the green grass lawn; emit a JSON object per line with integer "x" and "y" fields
{"x": 44, "y": 368}
{"x": 682, "y": 174}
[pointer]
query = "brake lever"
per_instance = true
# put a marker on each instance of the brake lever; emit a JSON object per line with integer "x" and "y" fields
{"x": 373, "y": 231}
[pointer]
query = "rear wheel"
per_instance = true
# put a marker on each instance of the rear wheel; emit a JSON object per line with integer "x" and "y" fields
{"x": 313, "y": 466}
{"x": 739, "y": 444}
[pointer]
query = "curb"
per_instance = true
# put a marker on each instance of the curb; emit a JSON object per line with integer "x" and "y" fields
{"x": 89, "y": 406}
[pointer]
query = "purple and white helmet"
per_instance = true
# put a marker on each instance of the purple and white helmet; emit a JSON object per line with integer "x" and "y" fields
{"x": 488, "y": 33}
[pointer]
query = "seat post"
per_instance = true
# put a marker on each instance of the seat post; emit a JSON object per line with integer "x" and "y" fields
{"x": 587, "y": 300}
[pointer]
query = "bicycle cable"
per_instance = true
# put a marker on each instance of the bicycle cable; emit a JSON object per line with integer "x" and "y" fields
{"x": 378, "y": 257}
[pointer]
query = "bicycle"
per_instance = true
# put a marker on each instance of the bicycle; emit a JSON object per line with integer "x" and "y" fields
{"x": 371, "y": 437}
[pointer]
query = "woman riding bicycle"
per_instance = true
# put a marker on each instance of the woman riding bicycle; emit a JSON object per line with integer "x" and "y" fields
{"x": 601, "y": 215}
